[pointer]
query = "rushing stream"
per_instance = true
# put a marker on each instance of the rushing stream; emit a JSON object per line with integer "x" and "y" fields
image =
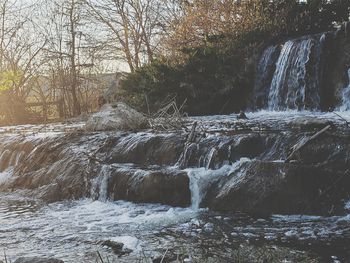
{"x": 74, "y": 231}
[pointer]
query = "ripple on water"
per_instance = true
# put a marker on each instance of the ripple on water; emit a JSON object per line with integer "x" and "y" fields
{"x": 35, "y": 230}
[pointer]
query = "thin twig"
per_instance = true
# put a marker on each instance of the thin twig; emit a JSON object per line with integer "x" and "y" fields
{"x": 164, "y": 255}
{"x": 346, "y": 121}
{"x": 100, "y": 257}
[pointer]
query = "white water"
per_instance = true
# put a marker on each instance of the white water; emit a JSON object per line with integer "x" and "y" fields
{"x": 209, "y": 158}
{"x": 279, "y": 76}
{"x": 6, "y": 176}
{"x": 290, "y": 86}
{"x": 129, "y": 242}
{"x": 202, "y": 178}
{"x": 345, "y": 96}
{"x": 263, "y": 77}
{"x": 347, "y": 205}
{"x": 99, "y": 185}
{"x": 73, "y": 230}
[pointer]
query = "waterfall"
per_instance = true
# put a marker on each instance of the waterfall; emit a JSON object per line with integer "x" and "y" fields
{"x": 296, "y": 81}
{"x": 209, "y": 158}
{"x": 345, "y": 103}
{"x": 264, "y": 73}
{"x": 290, "y": 77}
{"x": 99, "y": 185}
{"x": 4, "y": 159}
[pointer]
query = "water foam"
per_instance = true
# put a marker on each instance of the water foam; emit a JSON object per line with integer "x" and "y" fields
{"x": 202, "y": 178}
{"x": 345, "y": 97}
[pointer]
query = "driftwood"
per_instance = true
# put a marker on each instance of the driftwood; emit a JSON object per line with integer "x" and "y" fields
{"x": 303, "y": 143}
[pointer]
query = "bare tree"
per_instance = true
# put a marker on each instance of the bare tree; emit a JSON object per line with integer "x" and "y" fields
{"x": 132, "y": 26}
{"x": 63, "y": 30}
{"x": 19, "y": 57}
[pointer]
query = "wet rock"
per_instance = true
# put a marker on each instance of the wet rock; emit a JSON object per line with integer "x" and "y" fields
{"x": 250, "y": 146}
{"x": 117, "y": 247}
{"x": 242, "y": 116}
{"x": 208, "y": 227}
{"x": 37, "y": 260}
{"x": 145, "y": 149}
{"x": 141, "y": 168}
{"x": 118, "y": 116}
{"x": 330, "y": 151}
{"x": 168, "y": 257}
{"x": 53, "y": 179}
{"x": 163, "y": 186}
{"x": 266, "y": 187}
{"x": 309, "y": 124}
{"x": 49, "y": 169}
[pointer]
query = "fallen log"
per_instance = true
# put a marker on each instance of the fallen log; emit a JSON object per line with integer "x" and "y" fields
{"x": 303, "y": 143}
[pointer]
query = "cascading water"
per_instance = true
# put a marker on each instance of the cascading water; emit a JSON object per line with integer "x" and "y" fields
{"x": 296, "y": 81}
{"x": 226, "y": 166}
{"x": 99, "y": 185}
{"x": 264, "y": 73}
{"x": 306, "y": 73}
{"x": 208, "y": 160}
{"x": 237, "y": 165}
{"x": 202, "y": 178}
{"x": 345, "y": 104}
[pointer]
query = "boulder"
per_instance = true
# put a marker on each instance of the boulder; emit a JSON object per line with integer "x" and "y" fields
{"x": 117, "y": 116}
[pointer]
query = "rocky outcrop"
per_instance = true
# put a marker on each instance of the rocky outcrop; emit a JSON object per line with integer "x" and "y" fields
{"x": 52, "y": 169}
{"x": 109, "y": 166}
{"x": 270, "y": 187}
{"x": 144, "y": 166}
{"x": 169, "y": 187}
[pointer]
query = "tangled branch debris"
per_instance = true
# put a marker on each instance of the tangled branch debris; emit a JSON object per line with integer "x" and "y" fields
{"x": 170, "y": 116}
